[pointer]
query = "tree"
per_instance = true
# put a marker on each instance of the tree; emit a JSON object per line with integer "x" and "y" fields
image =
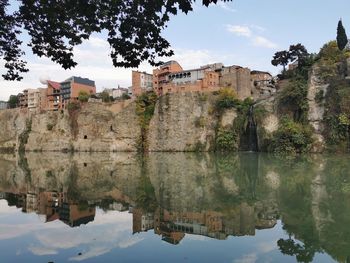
{"x": 12, "y": 102}
{"x": 281, "y": 58}
{"x": 342, "y": 38}
{"x": 54, "y": 28}
{"x": 83, "y": 96}
{"x": 298, "y": 53}
{"x": 105, "y": 96}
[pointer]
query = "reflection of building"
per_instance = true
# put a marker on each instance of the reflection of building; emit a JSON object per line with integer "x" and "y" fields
{"x": 3, "y": 195}
{"x": 54, "y": 205}
{"x": 142, "y": 221}
{"x": 75, "y": 215}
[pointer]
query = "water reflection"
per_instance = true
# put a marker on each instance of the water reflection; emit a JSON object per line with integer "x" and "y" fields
{"x": 179, "y": 195}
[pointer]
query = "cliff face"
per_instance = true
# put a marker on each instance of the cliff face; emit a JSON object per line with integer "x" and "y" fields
{"x": 183, "y": 122}
{"x": 93, "y": 128}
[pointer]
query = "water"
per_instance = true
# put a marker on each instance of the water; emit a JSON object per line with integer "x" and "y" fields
{"x": 174, "y": 208}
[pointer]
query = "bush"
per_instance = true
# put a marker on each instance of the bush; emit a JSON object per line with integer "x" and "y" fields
{"x": 291, "y": 138}
{"x": 226, "y": 140}
{"x": 319, "y": 96}
{"x": 125, "y": 96}
{"x": 83, "y": 96}
{"x": 73, "y": 106}
{"x": 227, "y": 99}
{"x": 49, "y": 126}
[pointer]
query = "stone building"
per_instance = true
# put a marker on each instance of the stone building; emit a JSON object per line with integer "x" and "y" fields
{"x": 141, "y": 82}
{"x": 237, "y": 78}
{"x": 262, "y": 84}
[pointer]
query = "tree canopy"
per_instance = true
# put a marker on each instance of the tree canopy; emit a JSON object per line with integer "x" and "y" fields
{"x": 342, "y": 38}
{"x": 296, "y": 52}
{"x": 54, "y": 27}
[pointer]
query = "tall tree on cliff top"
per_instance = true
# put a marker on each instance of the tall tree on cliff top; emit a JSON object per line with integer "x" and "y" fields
{"x": 342, "y": 38}
{"x": 55, "y": 27}
{"x": 281, "y": 58}
{"x": 298, "y": 53}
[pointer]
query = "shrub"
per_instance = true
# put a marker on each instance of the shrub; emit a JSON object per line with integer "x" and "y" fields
{"x": 319, "y": 96}
{"x": 226, "y": 140}
{"x": 126, "y": 96}
{"x": 227, "y": 99}
{"x": 83, "y": 96}
{"x": 291, "y": 137}
{"x": 49, "y": 126}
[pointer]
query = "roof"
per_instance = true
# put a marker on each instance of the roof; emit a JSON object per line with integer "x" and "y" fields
{"x": 260, "y": 72}
{"x": 54, "y": 84}
{"x": 80, "y": 80}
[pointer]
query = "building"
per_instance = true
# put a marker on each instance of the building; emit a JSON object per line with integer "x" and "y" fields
{"x": 37, "y": 99}
{"x": 53, "y": 95}
{"x": 141, "y": 82}
{"x": 23, "y": 99}
{"x": 171, "y": 78}
{"x": 237, "y": 78}
{"x": 160, "y": 75}
{"x": 3, "y": 105}
{"x": 262, "y": 84}
{"x": 71, "y": 88}
{"x": 116, "y": 93}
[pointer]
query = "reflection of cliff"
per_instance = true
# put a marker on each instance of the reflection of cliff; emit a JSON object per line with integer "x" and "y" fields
{"x": 201, "y": 194}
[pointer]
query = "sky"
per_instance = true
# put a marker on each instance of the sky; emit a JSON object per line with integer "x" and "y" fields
{"x": 241, "y": 32}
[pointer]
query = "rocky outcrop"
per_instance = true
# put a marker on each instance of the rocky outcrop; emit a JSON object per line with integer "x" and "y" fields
{"x": 183, "y": 122}
{"x": 316, "y": 92}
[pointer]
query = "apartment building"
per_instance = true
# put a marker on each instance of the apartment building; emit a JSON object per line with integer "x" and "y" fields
{"x": 160, "y": 75}
{"x": 53, "y": 95}
{"x": 23, "y": 99}
{"x": 37, "y": 99}
{"x": 171, "y": 78}
{"x": 71, "y": 88}
{"x": 141, "y": 82}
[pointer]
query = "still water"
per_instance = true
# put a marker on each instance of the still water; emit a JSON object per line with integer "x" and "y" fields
{"x": 177, "y": 207}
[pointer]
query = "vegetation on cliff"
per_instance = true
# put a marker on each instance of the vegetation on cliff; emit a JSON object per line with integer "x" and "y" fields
{"x": 145, "y": 105}
{"x": 229, "y": 139}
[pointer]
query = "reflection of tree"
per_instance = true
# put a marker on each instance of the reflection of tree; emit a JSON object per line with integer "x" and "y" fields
{"x": 303, "y": 253}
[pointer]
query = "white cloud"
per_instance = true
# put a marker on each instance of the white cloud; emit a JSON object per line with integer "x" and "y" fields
{"x": 248, "y": 32}
{"x": 239, "y": 30}
{"x": 249, "y": 258}
{"x": 260, "y": 41}
{"x": 41, "y": 251}
{"x": 226, "y": 6}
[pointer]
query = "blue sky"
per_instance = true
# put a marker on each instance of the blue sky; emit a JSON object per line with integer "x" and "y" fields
{"x": 242, "y": 32}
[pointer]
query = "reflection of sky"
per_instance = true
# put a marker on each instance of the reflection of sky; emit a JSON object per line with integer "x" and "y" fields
{"x": 24, "y": 237}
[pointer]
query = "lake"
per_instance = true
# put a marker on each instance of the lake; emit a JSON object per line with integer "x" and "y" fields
{"x": 174, "y": 207}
